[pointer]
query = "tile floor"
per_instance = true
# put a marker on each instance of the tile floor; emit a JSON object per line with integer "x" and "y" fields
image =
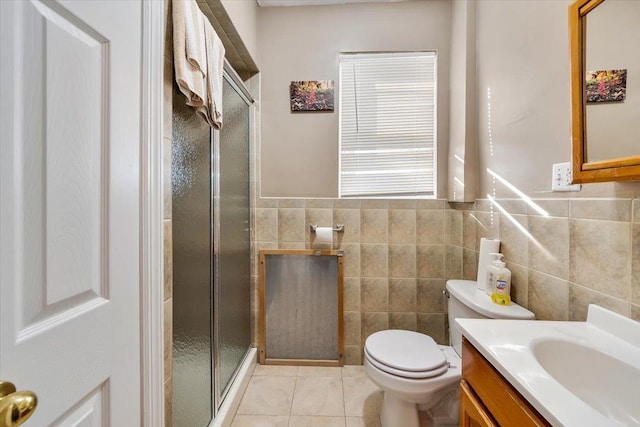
{"x": 306, "y": 396}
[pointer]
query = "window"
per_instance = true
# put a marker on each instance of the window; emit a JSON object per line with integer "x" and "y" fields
{"x": 388, "y": 124}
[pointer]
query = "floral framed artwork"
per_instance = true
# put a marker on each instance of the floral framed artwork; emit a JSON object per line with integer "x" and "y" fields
{"x": 311, "y": 95}
{"x": 606, "y": 86}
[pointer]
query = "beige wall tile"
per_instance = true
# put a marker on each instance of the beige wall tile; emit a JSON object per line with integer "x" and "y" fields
{"x": 600, "y": 258}
{"x": 168, "y": 403}
{"x": 430, "y": 261}
{"x": 411, "y": 204}
{"x": 168, "y": 339}
{"x": 291, "y": 225}
{"x": 514, "y": 242}
{"x": 319, "y": 217}
{"x": 487, "y": 225}
{"x": 402, "y": 295}
{"x": 352, "y": 355}
{"x": 549, "y": 248}
{"x": 455, "y": 218}
{"x": 168, "y": 258}
{"x": 431, "y": 204}
{"x": 351, "y": 259}
{"x": 374, "y": 204}
{"x": 469, "y": 239}
{"x": 580, "y": 298}
{"x": 636, "y": 210}
{"x": 374, "y": 226}
{"x": 375, "y": 294}
{"x": 402, "y": 226}
{"x": 548, "y": 296}
{"x": 292, "y": 203}
{"x": 553, "y": 207}
{"x": 635, "y": 312}
{"x": 404, "y": 321}
{"x": 352, "y": 328}
{"x": 374, "y": 260}
{"x": 469, "y": 264}
{"x": 430, "y": 227}
{"x": 430, "y": 296}
{"x": 320, "y": 203}
{"x": 455, "y": 268}
{"x": 607, "y": 209}
{"x": 519, "y": 284}
{"x": 292, "y": 245}
{"x": 514, "y": 206}
{"x": 266, "y": 203}
{"x": 266, "y": 225}
{"x": 351, "y": 291}
{"x": 402, "y": 261}
{"x": 374, "y": 322}
{"x": 350, "y": 218}
{"x": 432, "y": 324}
{"x": 347, "y": 203}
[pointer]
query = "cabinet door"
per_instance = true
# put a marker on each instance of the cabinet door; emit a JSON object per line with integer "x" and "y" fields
{"x": 472, "y": 412}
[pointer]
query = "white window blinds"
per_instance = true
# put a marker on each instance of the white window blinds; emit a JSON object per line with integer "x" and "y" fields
{"x": 388, "y": 124}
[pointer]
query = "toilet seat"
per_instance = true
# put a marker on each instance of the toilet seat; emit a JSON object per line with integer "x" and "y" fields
{"x": 406, "y": 354}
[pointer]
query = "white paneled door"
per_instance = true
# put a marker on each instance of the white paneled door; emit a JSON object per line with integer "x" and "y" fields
{"x": 69, "y": 208}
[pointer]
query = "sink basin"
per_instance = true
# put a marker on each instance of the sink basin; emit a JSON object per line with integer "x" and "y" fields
{"x": 603, "y": 382}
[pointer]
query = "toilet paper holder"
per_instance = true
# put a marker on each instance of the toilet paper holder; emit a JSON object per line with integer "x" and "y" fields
{"x": 339, "y": 228}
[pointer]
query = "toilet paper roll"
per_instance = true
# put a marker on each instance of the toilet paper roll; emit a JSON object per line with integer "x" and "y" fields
{"x": 487, "y": 246}
{"x": 324, "y": 235}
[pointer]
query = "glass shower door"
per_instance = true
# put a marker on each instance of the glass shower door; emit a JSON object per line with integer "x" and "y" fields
{"x": 232, "y": 274}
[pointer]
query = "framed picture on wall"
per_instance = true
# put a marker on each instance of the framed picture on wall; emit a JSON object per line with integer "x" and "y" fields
{"x": 606, "y": 86}
{"x": 311, "y": 95}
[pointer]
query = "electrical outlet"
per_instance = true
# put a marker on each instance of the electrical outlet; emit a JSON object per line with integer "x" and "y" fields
{"x": 561, "y": 178}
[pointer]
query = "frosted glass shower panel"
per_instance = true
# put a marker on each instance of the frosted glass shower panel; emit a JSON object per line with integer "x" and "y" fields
{"x": 301, "y": 307}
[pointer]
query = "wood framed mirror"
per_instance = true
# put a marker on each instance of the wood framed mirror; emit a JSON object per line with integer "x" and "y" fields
{"x": 605, "y": 90}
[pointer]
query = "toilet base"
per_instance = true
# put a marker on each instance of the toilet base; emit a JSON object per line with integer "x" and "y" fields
{"x": 398, "y": 413}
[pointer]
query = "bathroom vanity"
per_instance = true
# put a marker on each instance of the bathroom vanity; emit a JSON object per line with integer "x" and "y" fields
{"x": 551, "y": 373}
{"x": 487, "y": 399}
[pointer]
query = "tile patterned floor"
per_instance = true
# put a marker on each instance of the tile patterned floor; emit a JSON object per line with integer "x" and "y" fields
{"x": 305, "y": 396}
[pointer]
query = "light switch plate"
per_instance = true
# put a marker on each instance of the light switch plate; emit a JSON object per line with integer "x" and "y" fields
{"x": 561, "y": 178}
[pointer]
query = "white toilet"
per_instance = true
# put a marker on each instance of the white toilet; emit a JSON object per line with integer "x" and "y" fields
{"x": 415, "y": 372}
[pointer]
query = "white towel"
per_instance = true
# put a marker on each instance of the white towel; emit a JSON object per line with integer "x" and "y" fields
{"x": 189, "y": 51}
{"x": 215, "y": 71}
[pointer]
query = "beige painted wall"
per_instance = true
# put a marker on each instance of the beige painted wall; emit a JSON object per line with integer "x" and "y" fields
{"x": 299, "y": 152}
{"x": 244, "y": 15}
{"x": 524, "y": 126}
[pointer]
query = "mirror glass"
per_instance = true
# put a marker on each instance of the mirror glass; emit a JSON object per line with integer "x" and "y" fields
{"x": 612, "y": 68}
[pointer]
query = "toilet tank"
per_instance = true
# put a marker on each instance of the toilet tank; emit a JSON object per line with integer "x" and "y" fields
{"x": 464, "y": 301}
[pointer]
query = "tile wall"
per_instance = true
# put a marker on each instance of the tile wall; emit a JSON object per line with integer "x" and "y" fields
{"x": 395, "y": 265}
{"x": 563, "y": 253}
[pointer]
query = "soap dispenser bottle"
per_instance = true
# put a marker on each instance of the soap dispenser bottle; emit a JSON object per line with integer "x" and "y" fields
{"x": 488, "y": 283}
{"x": 500, "y": 281}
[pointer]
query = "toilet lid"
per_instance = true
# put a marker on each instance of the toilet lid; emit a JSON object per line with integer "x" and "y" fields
{"x": 405, "y": 351}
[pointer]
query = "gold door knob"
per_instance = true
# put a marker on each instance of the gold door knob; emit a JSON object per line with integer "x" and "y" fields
{"x": 15, "y": 406}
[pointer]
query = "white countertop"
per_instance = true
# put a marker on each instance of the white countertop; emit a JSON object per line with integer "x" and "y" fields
{"x": 507, "y": 345}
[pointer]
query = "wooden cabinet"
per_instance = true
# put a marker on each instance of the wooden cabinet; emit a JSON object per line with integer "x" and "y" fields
{"x": 487, "y": 399}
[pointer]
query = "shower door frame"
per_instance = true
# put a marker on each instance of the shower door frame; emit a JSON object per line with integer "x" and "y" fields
{"x": 236, "y": 83}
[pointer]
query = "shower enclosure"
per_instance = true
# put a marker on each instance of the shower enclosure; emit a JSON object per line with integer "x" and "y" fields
{"x": 211, "y": 253}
